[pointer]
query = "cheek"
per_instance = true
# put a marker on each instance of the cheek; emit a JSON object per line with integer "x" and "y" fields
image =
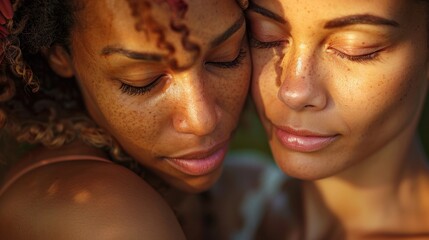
{"x": 132, "y": 123}
{"x": 132, "y": 120}
{"x": 129, "y": 119}
{"x": 264, "y": 78}
{"x": 233, "y": 88}
{"x": 382, "y": 103}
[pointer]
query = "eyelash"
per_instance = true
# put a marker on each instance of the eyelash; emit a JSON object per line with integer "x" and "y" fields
{"x": 134, "y": 91}
{"x": 234, "y": 63}
{"x": 264, "y": 45}
{"x": 359, "y": 58}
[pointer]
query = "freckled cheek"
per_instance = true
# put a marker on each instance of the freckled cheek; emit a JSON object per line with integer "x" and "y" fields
{"x": 130, "y": 119}
{"x": 264, "y": 88}
{"x": 232, "y": 90}
{"x": 380, "y": 100}
{"x": 134, "y": 124}
{"x": 264, "y": 67}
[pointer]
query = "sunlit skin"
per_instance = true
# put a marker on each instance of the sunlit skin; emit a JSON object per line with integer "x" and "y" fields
{"x": 339, "y": 86}
{"x": 174, "y": 120}
{"x": 184, "y": 112}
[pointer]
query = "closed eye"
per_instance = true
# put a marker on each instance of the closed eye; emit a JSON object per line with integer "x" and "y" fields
{"x": 231, "y": 64}
{"x": 362, "y": 58}
{"x": 254, "y": 43}
{"x": 133, "y": 90}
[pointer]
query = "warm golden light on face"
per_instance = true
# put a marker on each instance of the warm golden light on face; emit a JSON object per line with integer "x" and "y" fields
{"x": 152, "y": 109}
{"x": 82, "y": 196}
{"x": 353, "y": 75}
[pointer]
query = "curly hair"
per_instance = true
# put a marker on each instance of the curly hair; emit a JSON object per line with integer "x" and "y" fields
{"x": 36, "y": 105}
{"x": 51, "y": 115}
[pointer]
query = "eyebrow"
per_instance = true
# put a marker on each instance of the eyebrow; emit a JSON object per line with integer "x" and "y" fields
{"x": 152, "y": 57}
{"x": 360, "y": 19}
{"x": 265, "y": 12}
{"x": 335, "y": 23}
{"x": 228, "y": 33}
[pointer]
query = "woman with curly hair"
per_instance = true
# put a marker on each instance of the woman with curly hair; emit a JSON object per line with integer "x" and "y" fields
{"x": 156, "y": 86}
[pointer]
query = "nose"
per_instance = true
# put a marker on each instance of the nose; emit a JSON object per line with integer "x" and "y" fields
{"x": 196, "y": 111}
{"x": 301, "y": 82}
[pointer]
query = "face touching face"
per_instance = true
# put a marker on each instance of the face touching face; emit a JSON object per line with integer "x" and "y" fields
{"x": 177, "y": 124}
{"x": 338, "y": 82}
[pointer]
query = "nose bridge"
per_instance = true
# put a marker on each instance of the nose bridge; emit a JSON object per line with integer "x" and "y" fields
{"x": 196, "y": 112}
{"x": 301, "y": 86}
{"x": 301, "y": 58}
{"x": 299, "y": 64}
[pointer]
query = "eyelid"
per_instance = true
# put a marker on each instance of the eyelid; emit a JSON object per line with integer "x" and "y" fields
{"x": 266, "y": 29}
{"x": 238, "y": 36}
{"x": 135, "y": 90}
{"x": 230, "y": 64}
{"x": 355, "y": 51}
{"x": 139, "y": 76}
{"x": 267, "y": 32}
{"x": 361, "y": 57}
{"x": 360, "y": 39}
{"x": 228, "y": 56}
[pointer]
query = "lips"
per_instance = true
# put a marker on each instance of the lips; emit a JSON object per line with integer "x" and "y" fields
{"x": 201, "y": 162}
{"x": 303, "y": 140}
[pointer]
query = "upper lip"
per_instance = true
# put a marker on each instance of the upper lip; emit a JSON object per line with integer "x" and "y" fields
{"x": 201, "y": 154}
{"x": 303, "y": 132}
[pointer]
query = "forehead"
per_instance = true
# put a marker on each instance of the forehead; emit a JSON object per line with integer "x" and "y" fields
{"x": 111, "y": 22}
{"x": 327, "y": 9}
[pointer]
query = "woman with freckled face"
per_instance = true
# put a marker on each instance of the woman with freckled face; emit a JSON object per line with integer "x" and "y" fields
{"x": 156, "y": 86}
{"x": 340, "y": 87}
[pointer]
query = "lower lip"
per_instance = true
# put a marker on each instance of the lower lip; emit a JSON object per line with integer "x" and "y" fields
{"x": 201, "y": 166}
{"x": 303, "y": 143}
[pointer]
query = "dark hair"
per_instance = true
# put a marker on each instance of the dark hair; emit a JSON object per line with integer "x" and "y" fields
{"x": 36, "y": 105}
{"x": 54, "y": 114}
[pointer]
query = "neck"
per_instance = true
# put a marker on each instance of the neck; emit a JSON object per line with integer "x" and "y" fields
{"x": 378, "y": 193}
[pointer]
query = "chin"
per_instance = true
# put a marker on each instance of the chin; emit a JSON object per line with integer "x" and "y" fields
{"x": 306, "y": 166}
{"x": 195, "y": 184}
{"x": 306, "y": 175}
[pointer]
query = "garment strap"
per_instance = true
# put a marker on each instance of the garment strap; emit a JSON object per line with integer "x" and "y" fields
{"x": 49, "y": 161}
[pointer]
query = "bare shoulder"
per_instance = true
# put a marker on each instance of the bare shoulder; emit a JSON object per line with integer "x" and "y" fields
{"x": 85, "y": 200}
